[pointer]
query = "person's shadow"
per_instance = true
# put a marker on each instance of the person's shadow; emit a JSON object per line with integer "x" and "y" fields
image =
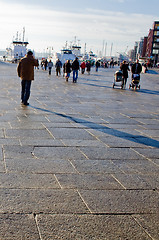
{"x": 133, "y": 138}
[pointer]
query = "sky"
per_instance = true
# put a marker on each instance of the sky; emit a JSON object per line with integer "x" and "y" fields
{"x": 104, "y": 25}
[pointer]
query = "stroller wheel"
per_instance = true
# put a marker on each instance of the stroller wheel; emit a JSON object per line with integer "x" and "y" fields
{"x": 113, "y": 85}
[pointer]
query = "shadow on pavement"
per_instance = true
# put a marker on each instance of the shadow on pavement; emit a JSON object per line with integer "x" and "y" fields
{"x": 150, "y": 71}
{"x": 147, "y": 91}
{"x": 134, "y": 138}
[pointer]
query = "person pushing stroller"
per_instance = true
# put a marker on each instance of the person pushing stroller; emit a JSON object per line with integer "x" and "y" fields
{"x": 124, "y": 68}
{"x": 136, "y": 70}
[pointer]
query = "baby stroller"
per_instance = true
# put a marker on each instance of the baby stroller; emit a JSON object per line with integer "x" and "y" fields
{"x": 118, "y": 79}
{"x": 135, "y": 81}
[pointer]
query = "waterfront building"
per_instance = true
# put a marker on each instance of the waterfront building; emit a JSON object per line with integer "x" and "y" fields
{"x": 152, "y": 50}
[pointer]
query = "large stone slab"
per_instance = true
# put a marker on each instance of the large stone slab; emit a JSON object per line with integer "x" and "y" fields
{"x": 28, "y": 133}
{"x": 58, "y": 153}
{"x": 110, "y": 153}
{"x": 28, "y": 181}
{"x": 42, "y": 165}
{"x": 149, "y": 153}
{"x": 18, "y": 226}
{"x": 71, "y": 133}
{"x": 17, "y": 151}
{"x": 41, "y": 201}
{"x": 89, "y": 227}
{"x": 88, "y": 181}
{"x": 138, "y": 181}
{"x": 137, "y": 166}
{"x": 95, "y": 166}
{"x": 121, "y": 201}
{"x": 149, "y": 223}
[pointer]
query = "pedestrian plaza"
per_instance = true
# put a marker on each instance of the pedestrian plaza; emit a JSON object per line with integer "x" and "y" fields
{"x": 81, "y": 162}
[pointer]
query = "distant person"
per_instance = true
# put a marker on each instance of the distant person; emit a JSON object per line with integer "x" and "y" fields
{"x": 83, "y": 66}
{"x": 124, "y": 68}
{"x": 88, "y": 67}
{"x": 144, "y": 67}
{"x": 46, "y": 64}
{"x": 50, "y": 65}
{"x": 97, "y": 64}
{"x": 58, "y": 66}
{"x": 112, "y": 63}
{"x": 25, "y": 71}
{"x": 75, "y": 68}
{"x": 136, "y": 67}
{"x": 67, "y": 69}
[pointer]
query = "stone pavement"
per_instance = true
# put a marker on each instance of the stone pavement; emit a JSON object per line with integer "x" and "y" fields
{"x": 82, "y": 161}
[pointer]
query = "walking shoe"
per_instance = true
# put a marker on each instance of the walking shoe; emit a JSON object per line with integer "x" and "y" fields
{"x": 26, "y": 104}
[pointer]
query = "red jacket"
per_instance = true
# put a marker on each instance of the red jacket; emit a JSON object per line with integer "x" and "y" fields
{"x": 83, "y": 65}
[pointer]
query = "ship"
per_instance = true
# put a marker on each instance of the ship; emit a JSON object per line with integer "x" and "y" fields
{"x": 69, "y": 52}
{"x": 18, "y": 48}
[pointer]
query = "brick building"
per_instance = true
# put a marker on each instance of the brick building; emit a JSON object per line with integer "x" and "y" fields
{"x": 152, "y": 49}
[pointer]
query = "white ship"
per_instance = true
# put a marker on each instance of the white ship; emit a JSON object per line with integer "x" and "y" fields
{"x": 69, "y": 52}
{"x": 76, "y": 49}
{"x": 66, "y": 54}
{"x": 18, "y": 48}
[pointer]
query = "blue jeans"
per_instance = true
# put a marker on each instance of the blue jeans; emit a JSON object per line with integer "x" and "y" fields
{"x": 25, "y": 93}
{"x": 75, "y": 75}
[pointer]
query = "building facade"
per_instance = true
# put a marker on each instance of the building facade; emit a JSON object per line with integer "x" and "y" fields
{"x": 152, "y": 50}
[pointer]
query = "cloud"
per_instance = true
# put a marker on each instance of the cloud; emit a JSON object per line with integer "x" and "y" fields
{"x": 45, "y": 27}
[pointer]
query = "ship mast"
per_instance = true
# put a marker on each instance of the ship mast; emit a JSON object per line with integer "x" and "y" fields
{"x": 23, "y": 34}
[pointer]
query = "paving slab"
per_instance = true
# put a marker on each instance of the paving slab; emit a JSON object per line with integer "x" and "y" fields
{"x": 88, "y": 181}
{"x": 121, "y": 201}
{"x": 28, "y": 181}
{"x": 95, "y": 166}
{"x": 137, "y": 180}
{"x": 41, "y": 201}
{"x": 90, "y": 227}
{"x": 110, "y": 153}
{"x": 58, "y": 153}
{"x": 18, "y": 226}
{"x": 41, "y": 166}
{"x": 137, "y": 166}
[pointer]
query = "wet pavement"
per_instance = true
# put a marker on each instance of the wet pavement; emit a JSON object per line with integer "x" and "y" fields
{"x": 82, "y": 160}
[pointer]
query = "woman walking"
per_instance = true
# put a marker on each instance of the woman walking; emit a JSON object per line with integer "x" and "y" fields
{"x": 67, "y": 69}
{"x": 124, "y": 68}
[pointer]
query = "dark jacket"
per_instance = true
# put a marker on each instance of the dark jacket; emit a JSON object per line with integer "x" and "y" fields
{"x": 136, "y": 68}
{"x": 75, "y": 65}
{"x": 67, "y": 67}
{"x": 25, "y": 67}
{"x": 88, "y": 66}
{"x": 124, "y": 68}
{"x": 97, "y": 64}
{"x": 58, "y": 64}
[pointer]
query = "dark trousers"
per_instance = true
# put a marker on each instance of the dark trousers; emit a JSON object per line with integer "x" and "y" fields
{"x": 58, "y": 71}
{"x": 25, "y": 93}
{"x": 124, "y": 81}
{"x": 49, "y": 70}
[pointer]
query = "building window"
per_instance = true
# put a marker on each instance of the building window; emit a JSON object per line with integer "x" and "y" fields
{"x": 155, "y": 51}
{"x": 156, "y": 33}
{"x": 156, "y": 45}
{"x": 157, "y": 26}
{"x": 156, "y": 39}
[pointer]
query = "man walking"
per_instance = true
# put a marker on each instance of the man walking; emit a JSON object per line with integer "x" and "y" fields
{"x": 25, "y": 71}
{"x": 58, "y": 67}
{"x": 75, "y": 68}
{"x": 50, "y": 65}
